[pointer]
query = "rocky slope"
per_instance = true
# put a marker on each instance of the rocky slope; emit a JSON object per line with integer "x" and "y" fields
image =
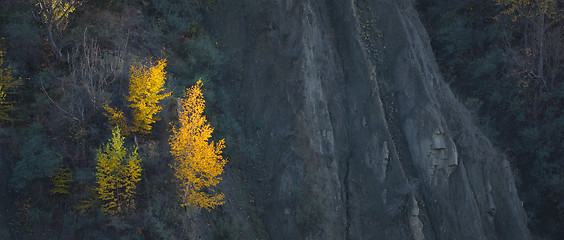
{"x": 355, "y": 134}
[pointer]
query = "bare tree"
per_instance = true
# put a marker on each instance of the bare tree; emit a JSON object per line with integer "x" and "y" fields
{"x": 95, "y": 69}
{"x": 91, "y": 71}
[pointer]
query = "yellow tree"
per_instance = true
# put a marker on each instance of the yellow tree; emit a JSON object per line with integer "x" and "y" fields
{"x": 7, "y": 83}
{"x": 146, "y": 86}
{"x": 197, "y": 163}
{"x": 55, "y": 15}
{"x": 61, "y": 180}
{"x": 117, "y": 118}
{"x": 116, "y": 175}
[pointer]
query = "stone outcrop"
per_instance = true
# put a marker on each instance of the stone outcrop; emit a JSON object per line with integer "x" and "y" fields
{"x": 354, "y": 132}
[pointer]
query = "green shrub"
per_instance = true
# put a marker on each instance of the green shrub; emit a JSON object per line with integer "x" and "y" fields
{"x": 226, "y": 230}
{"x": 37, "y": 159}
{"x": 205, "y": 57}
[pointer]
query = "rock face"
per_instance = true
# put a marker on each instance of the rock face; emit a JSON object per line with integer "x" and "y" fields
{"x": 355, "y": 134}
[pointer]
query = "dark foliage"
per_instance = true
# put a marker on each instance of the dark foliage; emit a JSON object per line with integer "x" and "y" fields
{"x": 495, "y": 63}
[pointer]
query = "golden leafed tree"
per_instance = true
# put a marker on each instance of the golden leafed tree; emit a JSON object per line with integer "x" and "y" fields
{"x": 7, "y": 84}
{"x": 198, "y": 163}
{"x": 146, "y": 89}
{"x": 117, "y": 118}
{"x": 117, "y": 174}
{"x": 54, "y": 14}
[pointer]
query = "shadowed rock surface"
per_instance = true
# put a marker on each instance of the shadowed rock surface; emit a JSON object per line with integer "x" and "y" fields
{"x": 355, "y": 133}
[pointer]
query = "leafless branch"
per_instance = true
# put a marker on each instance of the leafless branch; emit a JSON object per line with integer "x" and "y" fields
{"x": 57, "y": 105}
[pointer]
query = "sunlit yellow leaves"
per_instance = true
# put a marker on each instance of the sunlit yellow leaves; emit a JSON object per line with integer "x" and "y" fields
{"x": 146, "y": 90}
{"x": 116, "y": 175}
{"x": 198, "y": 163}
{"x": 146, "y": 87}
{"x": 117, "y": 118}
{"x": 7, "y": 84}
{"x": 55, "y": 13}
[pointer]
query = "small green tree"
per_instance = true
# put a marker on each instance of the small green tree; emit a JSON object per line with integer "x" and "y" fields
{"x": 117, "y": 174}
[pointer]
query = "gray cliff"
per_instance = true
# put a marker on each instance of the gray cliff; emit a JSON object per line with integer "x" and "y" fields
{"x": 355, "y": 134}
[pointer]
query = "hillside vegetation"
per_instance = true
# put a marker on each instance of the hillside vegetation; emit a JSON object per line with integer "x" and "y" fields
{"x": 74, "y": 73}
{"x": 505, "y": 57}
{"x": 257, "y": 119}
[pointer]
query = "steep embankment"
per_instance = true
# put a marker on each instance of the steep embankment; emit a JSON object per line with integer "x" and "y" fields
{"x": 355, "y": 133}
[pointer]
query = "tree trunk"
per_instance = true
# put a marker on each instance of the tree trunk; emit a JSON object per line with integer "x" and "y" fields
{"x": 54, "y": 47}
{"x": 540, "y": 66}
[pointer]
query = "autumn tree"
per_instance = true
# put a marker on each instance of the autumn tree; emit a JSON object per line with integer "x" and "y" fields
{"x": 7, "y": 84}
{"x": 543, "y": 33}
{"x": 117, "y": 174}
{"x": 146, "y": 89}
{"x": 61, "y": 180}
{"x": 54, "y": 14}
{"x": 117, "y": 118}
{"x": 198, "y": 163}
